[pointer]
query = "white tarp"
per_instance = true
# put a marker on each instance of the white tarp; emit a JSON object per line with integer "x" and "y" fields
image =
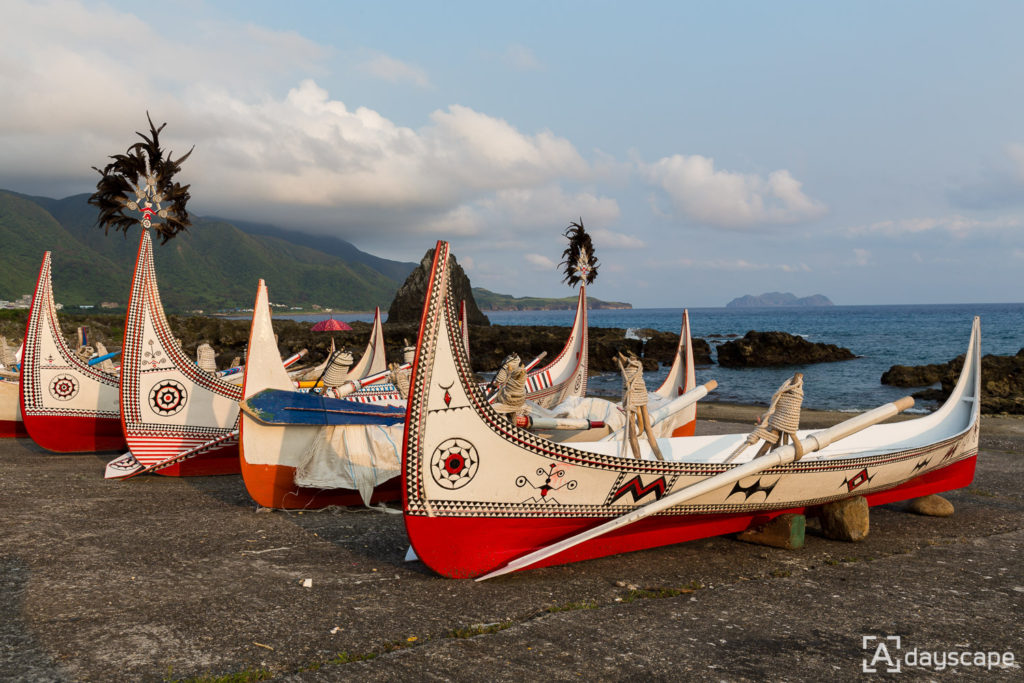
{"x": 358, "y": 457}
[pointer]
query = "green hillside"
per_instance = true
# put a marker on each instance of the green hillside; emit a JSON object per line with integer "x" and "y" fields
{"x": 213, "y": 266}
{"x": 492, "y": 301}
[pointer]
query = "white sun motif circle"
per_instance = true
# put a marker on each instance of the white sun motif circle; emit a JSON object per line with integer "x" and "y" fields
{"x": 454, "y": 463}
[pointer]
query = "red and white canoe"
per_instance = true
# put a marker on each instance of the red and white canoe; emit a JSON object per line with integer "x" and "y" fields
{"x": 566, "y": 375}
{"x": 67, "y": 405}
{"x": 281, "y": 463}
{"x": 680, "y": 379}
{"x": 168, "y": 404}
{"x": 11, "y": 424}
{"x": 272, "y": 454}
{"x": 480, "y": 494}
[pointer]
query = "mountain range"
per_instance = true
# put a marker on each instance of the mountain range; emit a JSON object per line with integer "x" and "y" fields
{"x": 215, "y": 265}
{"x": 492, "y": 301}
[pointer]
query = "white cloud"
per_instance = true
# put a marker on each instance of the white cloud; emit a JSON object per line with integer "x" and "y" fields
{"x": 540, "y": 263}
{"x": 617, "y": 240}
{"x": 861, "y": 257}
{"x": 1016, "y": 153}
{"x": 396, "y": 71}
{"x": 733, "y": 265}
{"x": 955, "y": 225}
{"x": 699, "y": 192}
{"x": 521, "y": 58}
{"x": 269, "y": 144}
{"x": 527, "y": 211}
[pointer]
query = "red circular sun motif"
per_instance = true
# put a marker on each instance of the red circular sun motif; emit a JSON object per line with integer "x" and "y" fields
{"x": 168, "y": 398}
{"x": 454, "y": 463}
{"x": 64, "y": 387}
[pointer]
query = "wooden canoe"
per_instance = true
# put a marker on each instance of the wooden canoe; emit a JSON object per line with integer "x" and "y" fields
{"x": 168, "y": 404}
{"x": 479, "y": 492}
{"x": 67, "y": 405}
{"x": 271, "y": 453}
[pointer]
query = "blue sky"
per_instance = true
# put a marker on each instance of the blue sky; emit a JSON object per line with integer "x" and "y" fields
{"x": 871, "y": 152}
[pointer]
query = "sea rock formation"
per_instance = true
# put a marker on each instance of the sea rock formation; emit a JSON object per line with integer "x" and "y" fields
{"x": 407, "y": 306}
{"x": 762, "y": 349}
{"x": 1002, "y": 381}
{"x": 772, "y": 299}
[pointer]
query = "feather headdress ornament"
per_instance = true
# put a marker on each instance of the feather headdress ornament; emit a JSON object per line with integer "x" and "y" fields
{"x": 579, "y": 261}
{"x": 138, "y": 188}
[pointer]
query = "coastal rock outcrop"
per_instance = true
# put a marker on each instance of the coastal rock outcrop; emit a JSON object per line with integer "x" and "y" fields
{"x": 1002, "y": 381}
{"x": 763, "y": 349}
{"x": 407, "y": 306}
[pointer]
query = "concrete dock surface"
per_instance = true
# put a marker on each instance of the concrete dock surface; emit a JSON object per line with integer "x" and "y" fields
{"x": 166, "y": 579}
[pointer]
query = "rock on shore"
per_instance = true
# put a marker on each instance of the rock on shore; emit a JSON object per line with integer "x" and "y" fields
{"x": 761, "y": 349}
{"x": 1002, "y": 381}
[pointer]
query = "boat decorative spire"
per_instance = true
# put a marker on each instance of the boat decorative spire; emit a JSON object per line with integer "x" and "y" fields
{"x": 579, "y": 262}
{"x": 138, "y": 188}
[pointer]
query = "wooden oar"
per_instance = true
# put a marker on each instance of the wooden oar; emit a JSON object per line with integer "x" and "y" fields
{"x": 288, "y": 362}
{"x": 779, "y": 456}
{"x": 100, "y": 359}
{"x": 557, "y": 423}
{"x": 673, "y": 406}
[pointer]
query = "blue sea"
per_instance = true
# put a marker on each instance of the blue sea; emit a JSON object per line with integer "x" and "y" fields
{"x": 881, "y": 336}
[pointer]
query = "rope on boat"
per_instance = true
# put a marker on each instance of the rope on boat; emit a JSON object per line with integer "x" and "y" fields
{"x": 400, "y": 376}
{"x": 84, "y": 353}
{"x": 7, "y": 358}
{"x": 781, "y": 421}
{"x": 206, "y": 358}
{"x": 337, "y": 371}
{"x": 511, "y": 382}
{"x": 107, "y": 365}
{"x": 634, "y": 404}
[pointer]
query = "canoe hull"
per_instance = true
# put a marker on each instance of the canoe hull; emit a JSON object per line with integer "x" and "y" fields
{"x": 273, "y": 486}
{"x": 466, "y": 547}
{"x": 11, "y": 429}
{"x": 75, "y": 434}
{"x": 480, "y": 491}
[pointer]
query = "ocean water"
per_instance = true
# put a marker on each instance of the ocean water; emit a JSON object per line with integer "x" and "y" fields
{"x": 881, "y": 336}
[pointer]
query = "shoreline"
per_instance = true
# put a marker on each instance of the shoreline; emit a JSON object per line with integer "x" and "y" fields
{"x": 746, "y": 414}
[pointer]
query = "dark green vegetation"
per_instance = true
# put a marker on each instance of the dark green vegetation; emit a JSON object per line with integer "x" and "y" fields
{"x": 215, "y": 265}
{"x": 491, "y": 301}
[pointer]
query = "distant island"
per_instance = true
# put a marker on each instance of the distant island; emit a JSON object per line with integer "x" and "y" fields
{"x": 492, "y": 301}
{"x": 775, "y": 299}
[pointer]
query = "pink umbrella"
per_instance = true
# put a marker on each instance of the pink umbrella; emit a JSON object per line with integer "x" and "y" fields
{"x": 330, "y": 325}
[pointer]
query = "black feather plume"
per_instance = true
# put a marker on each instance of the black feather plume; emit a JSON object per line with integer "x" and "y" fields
{"x": 579, "y": 262}
{"x": 138, "y": 188}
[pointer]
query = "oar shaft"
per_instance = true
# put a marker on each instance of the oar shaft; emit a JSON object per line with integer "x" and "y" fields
{"x": 100, "y": 359}
{"x": 557, "y": 423}
{"x": 779, "y": 456}
{"x": 353, "y": 385}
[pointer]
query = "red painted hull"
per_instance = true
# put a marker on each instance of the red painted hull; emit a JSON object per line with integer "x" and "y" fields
{"x": 215, "y": 462}
{"x": 70, "y": 434}
{"x": 688, "y": 429}
{"x": 10, "y": 429}
{"x": 465, "y": 547}
{"x": 273, "y": 486}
